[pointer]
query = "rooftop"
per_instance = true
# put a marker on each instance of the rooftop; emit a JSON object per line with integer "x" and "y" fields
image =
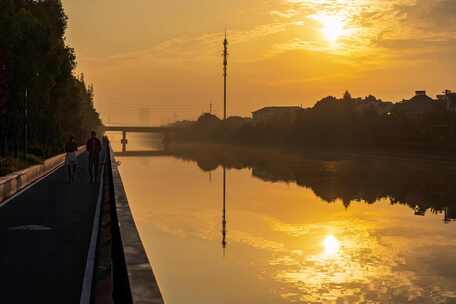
{"x": 281, "y": 108}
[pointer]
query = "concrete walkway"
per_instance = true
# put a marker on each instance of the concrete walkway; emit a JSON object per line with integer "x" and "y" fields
{"x": 44, "y": 239}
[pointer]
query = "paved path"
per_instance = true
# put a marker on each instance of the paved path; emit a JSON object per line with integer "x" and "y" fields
{"x": 44, "y": 239}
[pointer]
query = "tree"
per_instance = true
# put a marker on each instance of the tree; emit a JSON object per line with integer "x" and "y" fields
{"x": 347, "y": 96}
{"x": 36, "y": 67}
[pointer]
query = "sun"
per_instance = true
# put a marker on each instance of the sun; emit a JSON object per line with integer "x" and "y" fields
{"x": 333, "y": 27}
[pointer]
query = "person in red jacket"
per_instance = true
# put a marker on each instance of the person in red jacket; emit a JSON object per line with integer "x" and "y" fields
{"x": 93, "y": 146}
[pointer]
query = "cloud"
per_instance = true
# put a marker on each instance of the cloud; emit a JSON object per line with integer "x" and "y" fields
{"x": 420, "y": 44}
{"x": 290, "y": 13}
{"x": 195, "y": 48}
{"x": 371, "y": 27}
{"x": 375, "y": 26}
{"x": 431, "y": 15}
{"x": 278, "y": 51}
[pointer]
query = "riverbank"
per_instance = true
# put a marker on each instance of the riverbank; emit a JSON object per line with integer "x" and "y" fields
{"x": 289, "y": 153}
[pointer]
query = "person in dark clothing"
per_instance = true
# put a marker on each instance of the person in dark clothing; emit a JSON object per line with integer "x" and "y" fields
{"x": 93, "y": 146}
{"x": 71, "y": 158}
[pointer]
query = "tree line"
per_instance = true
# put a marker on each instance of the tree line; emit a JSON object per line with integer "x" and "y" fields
{"x": 344, "y": 123}
{"x": 42, "y": 101}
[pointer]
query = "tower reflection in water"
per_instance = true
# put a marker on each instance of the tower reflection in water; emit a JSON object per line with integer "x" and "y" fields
{"x": 224, "y": 212}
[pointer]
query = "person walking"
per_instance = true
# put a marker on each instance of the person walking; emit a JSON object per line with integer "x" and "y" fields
{"x": 93, "y": 146}
{"x": 71, "y": 158}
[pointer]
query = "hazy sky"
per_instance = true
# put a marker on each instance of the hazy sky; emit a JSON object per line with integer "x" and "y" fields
{"x": 154, "y": 60}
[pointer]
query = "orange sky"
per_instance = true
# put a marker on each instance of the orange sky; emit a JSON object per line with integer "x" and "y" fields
{"x": 152, "y": 61}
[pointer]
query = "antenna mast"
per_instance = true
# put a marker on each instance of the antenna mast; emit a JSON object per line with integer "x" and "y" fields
{"x": 225, "y": 64}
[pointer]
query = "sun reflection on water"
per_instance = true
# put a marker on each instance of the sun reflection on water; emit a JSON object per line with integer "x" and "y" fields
{"x": 292, "y": 252}
{"x": 331, "y": 245}
{"x": 351, "y": 263}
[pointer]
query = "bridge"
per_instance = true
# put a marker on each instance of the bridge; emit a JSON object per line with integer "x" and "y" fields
{"x": 142, "y": 153}
{"x": 135, "y": 129}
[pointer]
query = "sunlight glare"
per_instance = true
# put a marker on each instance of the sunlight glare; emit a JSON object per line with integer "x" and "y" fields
{"x": 331, "y": 245}
{"x": 332, "y": 26}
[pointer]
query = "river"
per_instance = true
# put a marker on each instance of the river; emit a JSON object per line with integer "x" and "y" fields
{"x": 291, "y": 229}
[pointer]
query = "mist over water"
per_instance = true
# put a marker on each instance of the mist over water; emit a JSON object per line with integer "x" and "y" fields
{"x": 137, "y": 142}
{"x": 297, "y": 229}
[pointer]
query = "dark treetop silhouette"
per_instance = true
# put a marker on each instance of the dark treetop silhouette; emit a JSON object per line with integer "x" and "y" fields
{"x": 41, "y": 101}
{"x": 420, "y": 124}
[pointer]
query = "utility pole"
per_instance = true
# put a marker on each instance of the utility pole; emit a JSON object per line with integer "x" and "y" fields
{"x": 210, "y": 108}
{"x": 225, "y": 64}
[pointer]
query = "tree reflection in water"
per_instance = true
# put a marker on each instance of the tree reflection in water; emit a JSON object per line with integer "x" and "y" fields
{"x": 423, "y": 185}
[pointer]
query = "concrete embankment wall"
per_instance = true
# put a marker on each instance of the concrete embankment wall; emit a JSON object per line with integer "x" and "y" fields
{"x": 138, "y": 273}
{"x": 118, "y": 269}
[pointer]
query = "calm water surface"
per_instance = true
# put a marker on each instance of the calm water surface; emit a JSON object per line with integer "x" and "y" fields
{"x": 310, "y": 231}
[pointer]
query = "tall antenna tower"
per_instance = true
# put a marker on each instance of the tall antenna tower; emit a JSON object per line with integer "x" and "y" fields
{"x": 225, "y": 64}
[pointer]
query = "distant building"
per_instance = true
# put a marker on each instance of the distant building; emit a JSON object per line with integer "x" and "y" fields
{"x": 448, "y": 99}
{"x": 421, "y": 98}
{"x": 417, "y": 105}
{"x": 276, "y": 114}
{"x": 420, "y": 93}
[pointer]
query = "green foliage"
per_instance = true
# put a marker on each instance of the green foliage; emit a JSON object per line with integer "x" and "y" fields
{"x": 37, "y": 82}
